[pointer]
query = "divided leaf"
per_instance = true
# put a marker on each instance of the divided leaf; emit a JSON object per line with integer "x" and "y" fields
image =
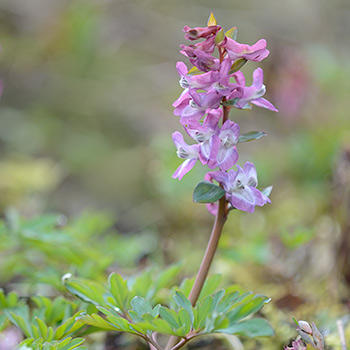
{"x": 119, "y": 289}
{"x": 254, "y": 327}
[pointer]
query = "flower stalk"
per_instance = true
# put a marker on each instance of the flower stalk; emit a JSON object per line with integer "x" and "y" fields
{"x": 211, "y": 88}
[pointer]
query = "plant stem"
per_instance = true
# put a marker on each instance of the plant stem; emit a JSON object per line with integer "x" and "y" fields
{"x": 210, "y": 252}
{"x": 206, "y": 262}
{"x": 226, "y": 110}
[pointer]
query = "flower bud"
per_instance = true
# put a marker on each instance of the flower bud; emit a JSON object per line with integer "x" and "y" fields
{"x": 305, "y": 327}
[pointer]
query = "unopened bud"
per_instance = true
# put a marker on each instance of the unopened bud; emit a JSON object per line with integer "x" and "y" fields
{"x": 305, "y": 327}
{"x": 305, "y": 332}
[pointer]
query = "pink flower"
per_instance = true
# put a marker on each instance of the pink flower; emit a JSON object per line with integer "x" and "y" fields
{"x": 199, "y": 81}
{"x": 240, "y": 187}
{"x": 193, "y": 105}
{"x": 203, "y": 133}
{"x": 222, "y": 84}
{"x": 223, "y": 152}
{"x": 204, "y": 61}
{"x": 207, "y": 46}
{"x": 199, "y": 32}
{"x": 256, "y": 52}
{"x": 187, "y": 152}
{"x": 253, "y": 94}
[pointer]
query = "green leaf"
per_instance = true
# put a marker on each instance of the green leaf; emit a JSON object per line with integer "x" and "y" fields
{"x": 227, "y": 302}
{"x": 237, "y": 65}
{"x": 219, "y": 37}
{"x": 232, "y": 33}
{"x": 210, "y": 286}
{"x": 201, "y": 312}
{"x": 141, "y": 306}
{"x": 50, "y": 334}
{"x": 185, "y": 320}
{"x": 123, "y": 324}
{"x": 158, "y": 325}
{"x": 70, "y": 325}
{"x": 217, "y": 298}
{"x": 248, "y": 308}
{"x": 23, "y": 325}
{"x": 169, "y": 316}
{"x": 97, "y": 321}
{"x": 255, "y": 327}
{"x": 73, "y": 344}
{"x": 119, "y": 289}
{"x": 183, "y": 302}
{"x": 167, "y": 276}
{"x": 89, "y": 291}
{"x": 143, "y": 285}
{"x": 206, "y": 192}
{"x": 42, "y": 327}
{"x": 252, "y": 135}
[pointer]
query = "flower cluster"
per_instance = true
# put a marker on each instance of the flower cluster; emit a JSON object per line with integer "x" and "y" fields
{"x": 211, "y": 88}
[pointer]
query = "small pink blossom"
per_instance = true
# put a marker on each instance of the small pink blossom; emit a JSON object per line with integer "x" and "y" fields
{"x": 207, "y": 46}
{"x": 256, "y": 52}
{"x": 200, "y": 32}
{"x": 188, "y": 152}
{"x": 193, "y": 105}
{"x": 204, "y": 61}
{"x": 240, "y": 187}
{"x": 203, "y": 133}
{"x": 253, "y": 94}
{"x": 199, "y": 81}
{"x": 223, "y": 152}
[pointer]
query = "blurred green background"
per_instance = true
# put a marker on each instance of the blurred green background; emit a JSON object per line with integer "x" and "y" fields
{"x": 86, "y": 123}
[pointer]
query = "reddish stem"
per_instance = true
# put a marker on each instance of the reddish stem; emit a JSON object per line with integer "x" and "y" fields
{"x": 202, "y": 274}
{"x": 210, "y": 252}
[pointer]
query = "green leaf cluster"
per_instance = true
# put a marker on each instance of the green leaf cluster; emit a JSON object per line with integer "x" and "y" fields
{"x": 40, "y": 344}
{"x": 119, "y": 292}
{"x": 43, "y": 248}
{"x": 215, "y": 312}
{"x": 49, "y": 320}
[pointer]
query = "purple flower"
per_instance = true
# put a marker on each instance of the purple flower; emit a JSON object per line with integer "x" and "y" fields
{"x": 240, "y": 187}
{"x": 200, "y": 32}
{"x": 222, "y": 84}
{"x": 200, "y": 81}
{"x": 203, "y": 133}
{"x": 186, "y": 108}
{"x": 192, "y": 105}
{"x": 256, "y": 52}
{"x": 223, "y": 152}
{"x": 204, "y": 61}
{"x": 184, "y": 151}
{"x": 253, "y": 93}
{"x": 207, "y": 46}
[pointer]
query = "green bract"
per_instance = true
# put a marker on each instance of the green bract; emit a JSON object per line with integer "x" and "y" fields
{"x": 206, "y": 192}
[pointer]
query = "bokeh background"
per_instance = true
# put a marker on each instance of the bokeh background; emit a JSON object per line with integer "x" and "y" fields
{"x": 86, "y": 123}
